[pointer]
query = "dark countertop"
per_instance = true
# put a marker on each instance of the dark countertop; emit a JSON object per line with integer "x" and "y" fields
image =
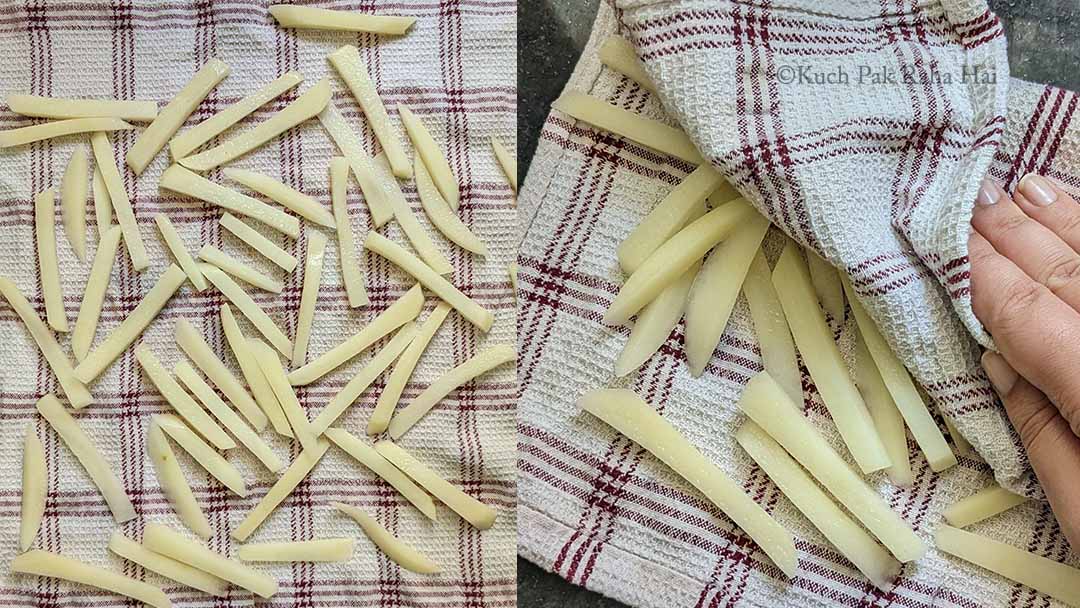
{"x": 1044, "y": 46}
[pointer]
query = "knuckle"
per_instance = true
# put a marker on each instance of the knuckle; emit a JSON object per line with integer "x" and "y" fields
{"x": 1069, "y": 223}
{"x": 1035, "y": 430}
{"x": 1009, "y": 224}
{"x": 1015, "y": 303}
{"x": 1061, "y": 271}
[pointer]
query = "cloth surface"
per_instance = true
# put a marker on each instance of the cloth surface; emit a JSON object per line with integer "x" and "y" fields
{"x": 594, "y": 508}
{"x": 456, "y": 70}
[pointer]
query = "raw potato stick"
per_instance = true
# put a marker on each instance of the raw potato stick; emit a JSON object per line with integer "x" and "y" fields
{"x": 370, "y": 458}
{"x": 769, "y": 406}
{"x": 75, "y": 390}
{"x": 1041, "y": 574}
{"x": 507, "y": 162}
{"x": 183, "y": 181}
{"x": 674, "y": 257}
{"x": 959, "y": 441}
{"x": 180, "y": 253}
{"x": 264, "y": 246}
{"x": 167, "y": 566}
{"x": 981, "y": 505}
{"x": 118, "y": 200}
{"x": 655, "y": 322}
{"x": 918, "y": 418}
{"x": 471, "y": 510}
{"x": 58, "y": 107}
{"x": 170, "y": 543}
{"x": 169, "y": 121}
{"x": 618, "y": 54}
{"x": 180, "y": 401}
{"x": 174, "y": 484}
{"x": 48, "y": 266}
{"x": 400, "y": 257}
{"x": 285, "y": 484}
{"x": 402, "y": 554}
{"x": 306, "y": 106}
{"x": 403, "y": 370}
{"x": 313, "y": 265}
{"x": 202, "y": 453}
{"x": 44, "y": 563}
{"x": 440, "y": 214}
{"x": 822, "y": 358}
{"x": 225, "y": 262}
{"x": 294, "y": 200}
{"x": 350, "y": 146}
{"x": 434, "y": 159}
{"x": 190, "y": 140}
{"x": 319, "y": 550}
{"x": 249, "y": 367}
{"x": 94, "y": 295}
{"x": 346, "y": 60}
{"x": 102, "y": 203}
{"x": 645, "y": 131}
{"x": 771, "y": 328}
{"x": 73, "y": 201}
{"x": 478, "y": 364}
{"x": 887, "y": 419}
{"x": 34, "y": 487}
{"x": 59, "y": 128}
{"x": 351, "y": 274}
{"x": 279, "y": 382}
{"x": 628, "y": 414}
{"x": 88, "y": 456}
{"x": 131, "y": 327}
{"x": 305, "y": 17}
{"x": 258, "y": 317}
{"x": 404, "y": 309}
{"x": 830, "y": 293}
{"x": 418, "y": 237}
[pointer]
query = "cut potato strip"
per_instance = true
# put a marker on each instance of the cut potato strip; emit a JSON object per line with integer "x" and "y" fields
{"x": 279, "y": 382}
{"x": 297, "y": 201}
{"x": 35, "y": 480}
{"x": 48, "y": 266}
{"x": 351, "y": 274}
{"x": 467, "y": 371}
{"x": 410, "y": 225}
{"x": 88, "y": 456}
{"x": 57, "y": 107}
{"x": 258, "y": 317}
{"x": 674, "y": 257}
{"x": 822, "y": 358}
{"x": 306, "y": 106}
{"x": 403, "y": 370}
{"x": 618, "y": 54}
{"x": 396, "y": 254}
{"x": 981, "y": 505}
{"x": 202, "y": 453}
{"x": 1044, "y": 575}
{"x": 195, "y": 347}
{"x": 102, "y": 203}
{"x": 223, "y": 261}
{"x": 244, "y": 433}
{"x": 260, "y": 388}
{"x": 350, "y": 146}
{"x": 669, "y": 216}
{"x": 118, "y": 200}
{"x": 73, "y": 201}
{"x": 655, "y": 322}
{"x": 305, "y": 17}
{"x": 826, "y": 280}
{"x": 167, "y": 566}
{"x": 59, "y": 128}
{"x": 370, "y": 458}
{"x": 54, "y": 565}
{"x": 404, "y": 309}
{"x": 512, "y": 270}
{"x": 190, "y": 140}
{"x": 174, "y": 484}
{"x": 904, "y": 393}
{"x": 264, "y": 246}
{"x": 769, "y": 406}
{"x": 628, "y": 414}
{"x": 313, "y": 265}
{"x": 363, "y": 379}
{"x": 132, "y": 327}
{"x": 645, "y": 131}
{"x": 887, "y": 419}
{"x": 181, "y": 180}
{"x": 434, "y": 159}
{"x": 771, "y": 328}
{"x": 716, "y": 289}
{"x": 346, "y": 60}
{"x": 297, "y": 471}
{"x": 180, "y": 401}
{"x": 168, "y": 542}
{"x": 180, "y": 253}
{"x": 319, "y": 550}
{"x": 962, "y": 445}
{"x": 440, "y": 214}
{"x": 847, "y": 536}
{"x": 74, "y": 388}
{"x": 471, "y": 510}
{"x": 169, "y": 121}
{"x": 402, "y": 554}
{"x": 508, "y": 163}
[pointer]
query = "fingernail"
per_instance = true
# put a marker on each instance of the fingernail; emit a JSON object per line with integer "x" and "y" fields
{"x": 988, "y": 193}
{"x": 1001, "y": 374}
{"x": 1036, "y": 189}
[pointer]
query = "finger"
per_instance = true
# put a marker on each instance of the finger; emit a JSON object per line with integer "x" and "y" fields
{"x": 1040, "y": 253}
{"x": 1045, "y": 202}
{"x": 1052, "y": 448}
